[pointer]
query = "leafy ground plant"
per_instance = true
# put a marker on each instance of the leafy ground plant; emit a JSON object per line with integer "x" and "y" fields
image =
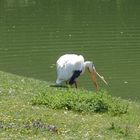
{"x": 81, "y": 101}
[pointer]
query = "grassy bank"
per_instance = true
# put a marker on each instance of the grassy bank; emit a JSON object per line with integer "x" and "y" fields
{"x": 31, "y": 109}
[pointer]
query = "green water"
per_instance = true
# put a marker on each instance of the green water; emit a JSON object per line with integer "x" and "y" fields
{"x": 34, "y": 33}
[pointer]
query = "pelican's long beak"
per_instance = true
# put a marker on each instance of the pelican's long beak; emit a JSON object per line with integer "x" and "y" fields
{"x": 93, "y": 75}
{"x": 102, "y": 78}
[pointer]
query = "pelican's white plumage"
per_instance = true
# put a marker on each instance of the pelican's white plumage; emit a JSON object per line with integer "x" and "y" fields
{"x": 68, "y": 63}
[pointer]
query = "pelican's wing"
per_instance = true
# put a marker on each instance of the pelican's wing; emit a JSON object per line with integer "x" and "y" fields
{"x": 67, "y": 64}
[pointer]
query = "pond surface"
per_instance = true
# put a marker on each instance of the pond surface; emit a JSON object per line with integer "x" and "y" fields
{"x": 34, "y": 33}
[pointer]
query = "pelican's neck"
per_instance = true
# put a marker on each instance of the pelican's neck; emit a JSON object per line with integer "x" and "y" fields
{"x": 89, "y": 65}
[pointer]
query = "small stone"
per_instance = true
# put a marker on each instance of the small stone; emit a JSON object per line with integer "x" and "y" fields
{"x": 52, "y": 128}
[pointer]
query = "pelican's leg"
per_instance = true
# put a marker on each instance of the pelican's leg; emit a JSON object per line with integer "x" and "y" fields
{"x": 75, "y": 84}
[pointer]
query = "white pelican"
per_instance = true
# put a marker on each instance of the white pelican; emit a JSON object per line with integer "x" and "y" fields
{"x": 71, "y": 66}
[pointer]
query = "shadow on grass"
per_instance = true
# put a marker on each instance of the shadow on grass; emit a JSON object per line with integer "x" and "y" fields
{"x": 57, "y": 86}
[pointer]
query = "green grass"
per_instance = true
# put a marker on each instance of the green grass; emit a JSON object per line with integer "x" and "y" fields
{"x": 29, "y": 109}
